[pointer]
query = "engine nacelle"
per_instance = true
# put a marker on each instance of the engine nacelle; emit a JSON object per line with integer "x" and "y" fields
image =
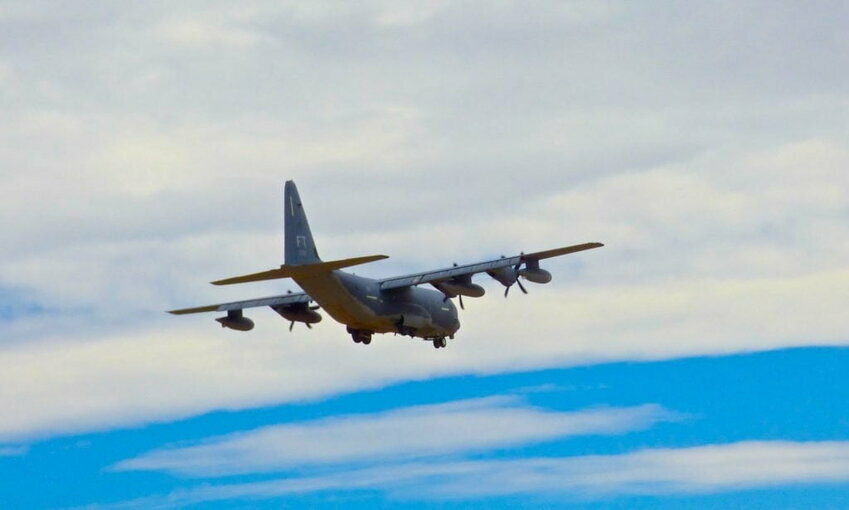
{"x": 298, "y": 314}
{"x": 536, "y": 275}
{"x": 504, "y": 275}
{"x": 235, "y": 320}
{"x": 458, "y": 288}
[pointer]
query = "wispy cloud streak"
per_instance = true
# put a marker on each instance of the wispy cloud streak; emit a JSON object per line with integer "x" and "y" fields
{"x": 410, "y": 433}
{"x": 702, "y": 469}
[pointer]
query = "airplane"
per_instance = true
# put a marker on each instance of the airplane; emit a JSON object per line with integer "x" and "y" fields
{"x": 368, "y": 306}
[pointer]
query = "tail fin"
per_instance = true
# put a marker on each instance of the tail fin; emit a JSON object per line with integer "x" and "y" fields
{"x": 301, "y": 257}
{"x": 298, "y": 246}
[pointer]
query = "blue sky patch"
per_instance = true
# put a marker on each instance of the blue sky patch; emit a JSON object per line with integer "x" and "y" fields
{"x": 15, "y": 304}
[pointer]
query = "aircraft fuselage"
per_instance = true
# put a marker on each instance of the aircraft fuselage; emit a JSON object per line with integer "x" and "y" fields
{"x": 360, "y": 304}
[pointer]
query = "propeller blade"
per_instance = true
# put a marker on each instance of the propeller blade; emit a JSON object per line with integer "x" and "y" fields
{"x": 521, "y": 286}
{"x": 461, "y": 303}
{"x": 516, "y": 275}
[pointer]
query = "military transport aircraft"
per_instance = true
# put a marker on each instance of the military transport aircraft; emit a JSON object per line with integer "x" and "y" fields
{"x": 367, "y": 306}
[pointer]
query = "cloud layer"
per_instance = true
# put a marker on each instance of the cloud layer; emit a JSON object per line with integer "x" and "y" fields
{"x": 71, "y": 385}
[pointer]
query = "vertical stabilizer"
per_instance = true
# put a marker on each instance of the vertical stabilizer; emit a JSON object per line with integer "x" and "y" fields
{"x": 298, "y": 246}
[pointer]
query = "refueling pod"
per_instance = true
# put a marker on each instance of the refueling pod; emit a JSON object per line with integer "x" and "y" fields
{"x": 533, "y": 273}
{"x": 235, "y": 320}
{"x": 536, "y": 275}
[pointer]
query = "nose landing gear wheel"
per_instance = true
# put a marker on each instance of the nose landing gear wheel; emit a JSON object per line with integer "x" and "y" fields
{"x": 439, "y": 343}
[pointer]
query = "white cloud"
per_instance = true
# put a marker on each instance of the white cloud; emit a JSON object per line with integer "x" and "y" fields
{"x": 701, "y": 469}
{"x": 693, "y": 470}
{"x": 423, "y": 431}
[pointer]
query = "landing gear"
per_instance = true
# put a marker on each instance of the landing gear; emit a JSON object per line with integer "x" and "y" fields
{"x": 439, "y": 342}
{"x": 404, "y": 330}
{"x": 360, "y": 336}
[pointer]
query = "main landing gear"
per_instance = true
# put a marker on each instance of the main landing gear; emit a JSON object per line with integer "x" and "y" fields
{"x": 439, "y": 342}
{"x": 360, "y": 336}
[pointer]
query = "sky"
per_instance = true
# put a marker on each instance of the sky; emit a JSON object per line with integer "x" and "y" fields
{"x": 696, "y": 361}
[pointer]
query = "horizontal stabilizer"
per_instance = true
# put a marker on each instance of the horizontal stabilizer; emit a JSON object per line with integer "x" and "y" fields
{"x": 303, "y": 270}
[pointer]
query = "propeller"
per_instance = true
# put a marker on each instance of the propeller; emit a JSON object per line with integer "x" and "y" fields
{"x": 447, "y": 297}
{"x": 517, "y": 282}
{"x": 292, "y": 325}
{"x": 521, "y": 287}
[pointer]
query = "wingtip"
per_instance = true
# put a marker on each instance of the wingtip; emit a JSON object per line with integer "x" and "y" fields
{"x": 198, "y": 309}
{"x": 228, "y": 281}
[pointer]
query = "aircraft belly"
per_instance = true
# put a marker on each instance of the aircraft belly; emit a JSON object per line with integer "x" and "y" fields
{"x": 335, "y": 299}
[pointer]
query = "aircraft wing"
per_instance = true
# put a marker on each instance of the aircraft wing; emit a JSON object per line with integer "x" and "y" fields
{"x": 284, "y": 299}
{"x": 448, "y": 273}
